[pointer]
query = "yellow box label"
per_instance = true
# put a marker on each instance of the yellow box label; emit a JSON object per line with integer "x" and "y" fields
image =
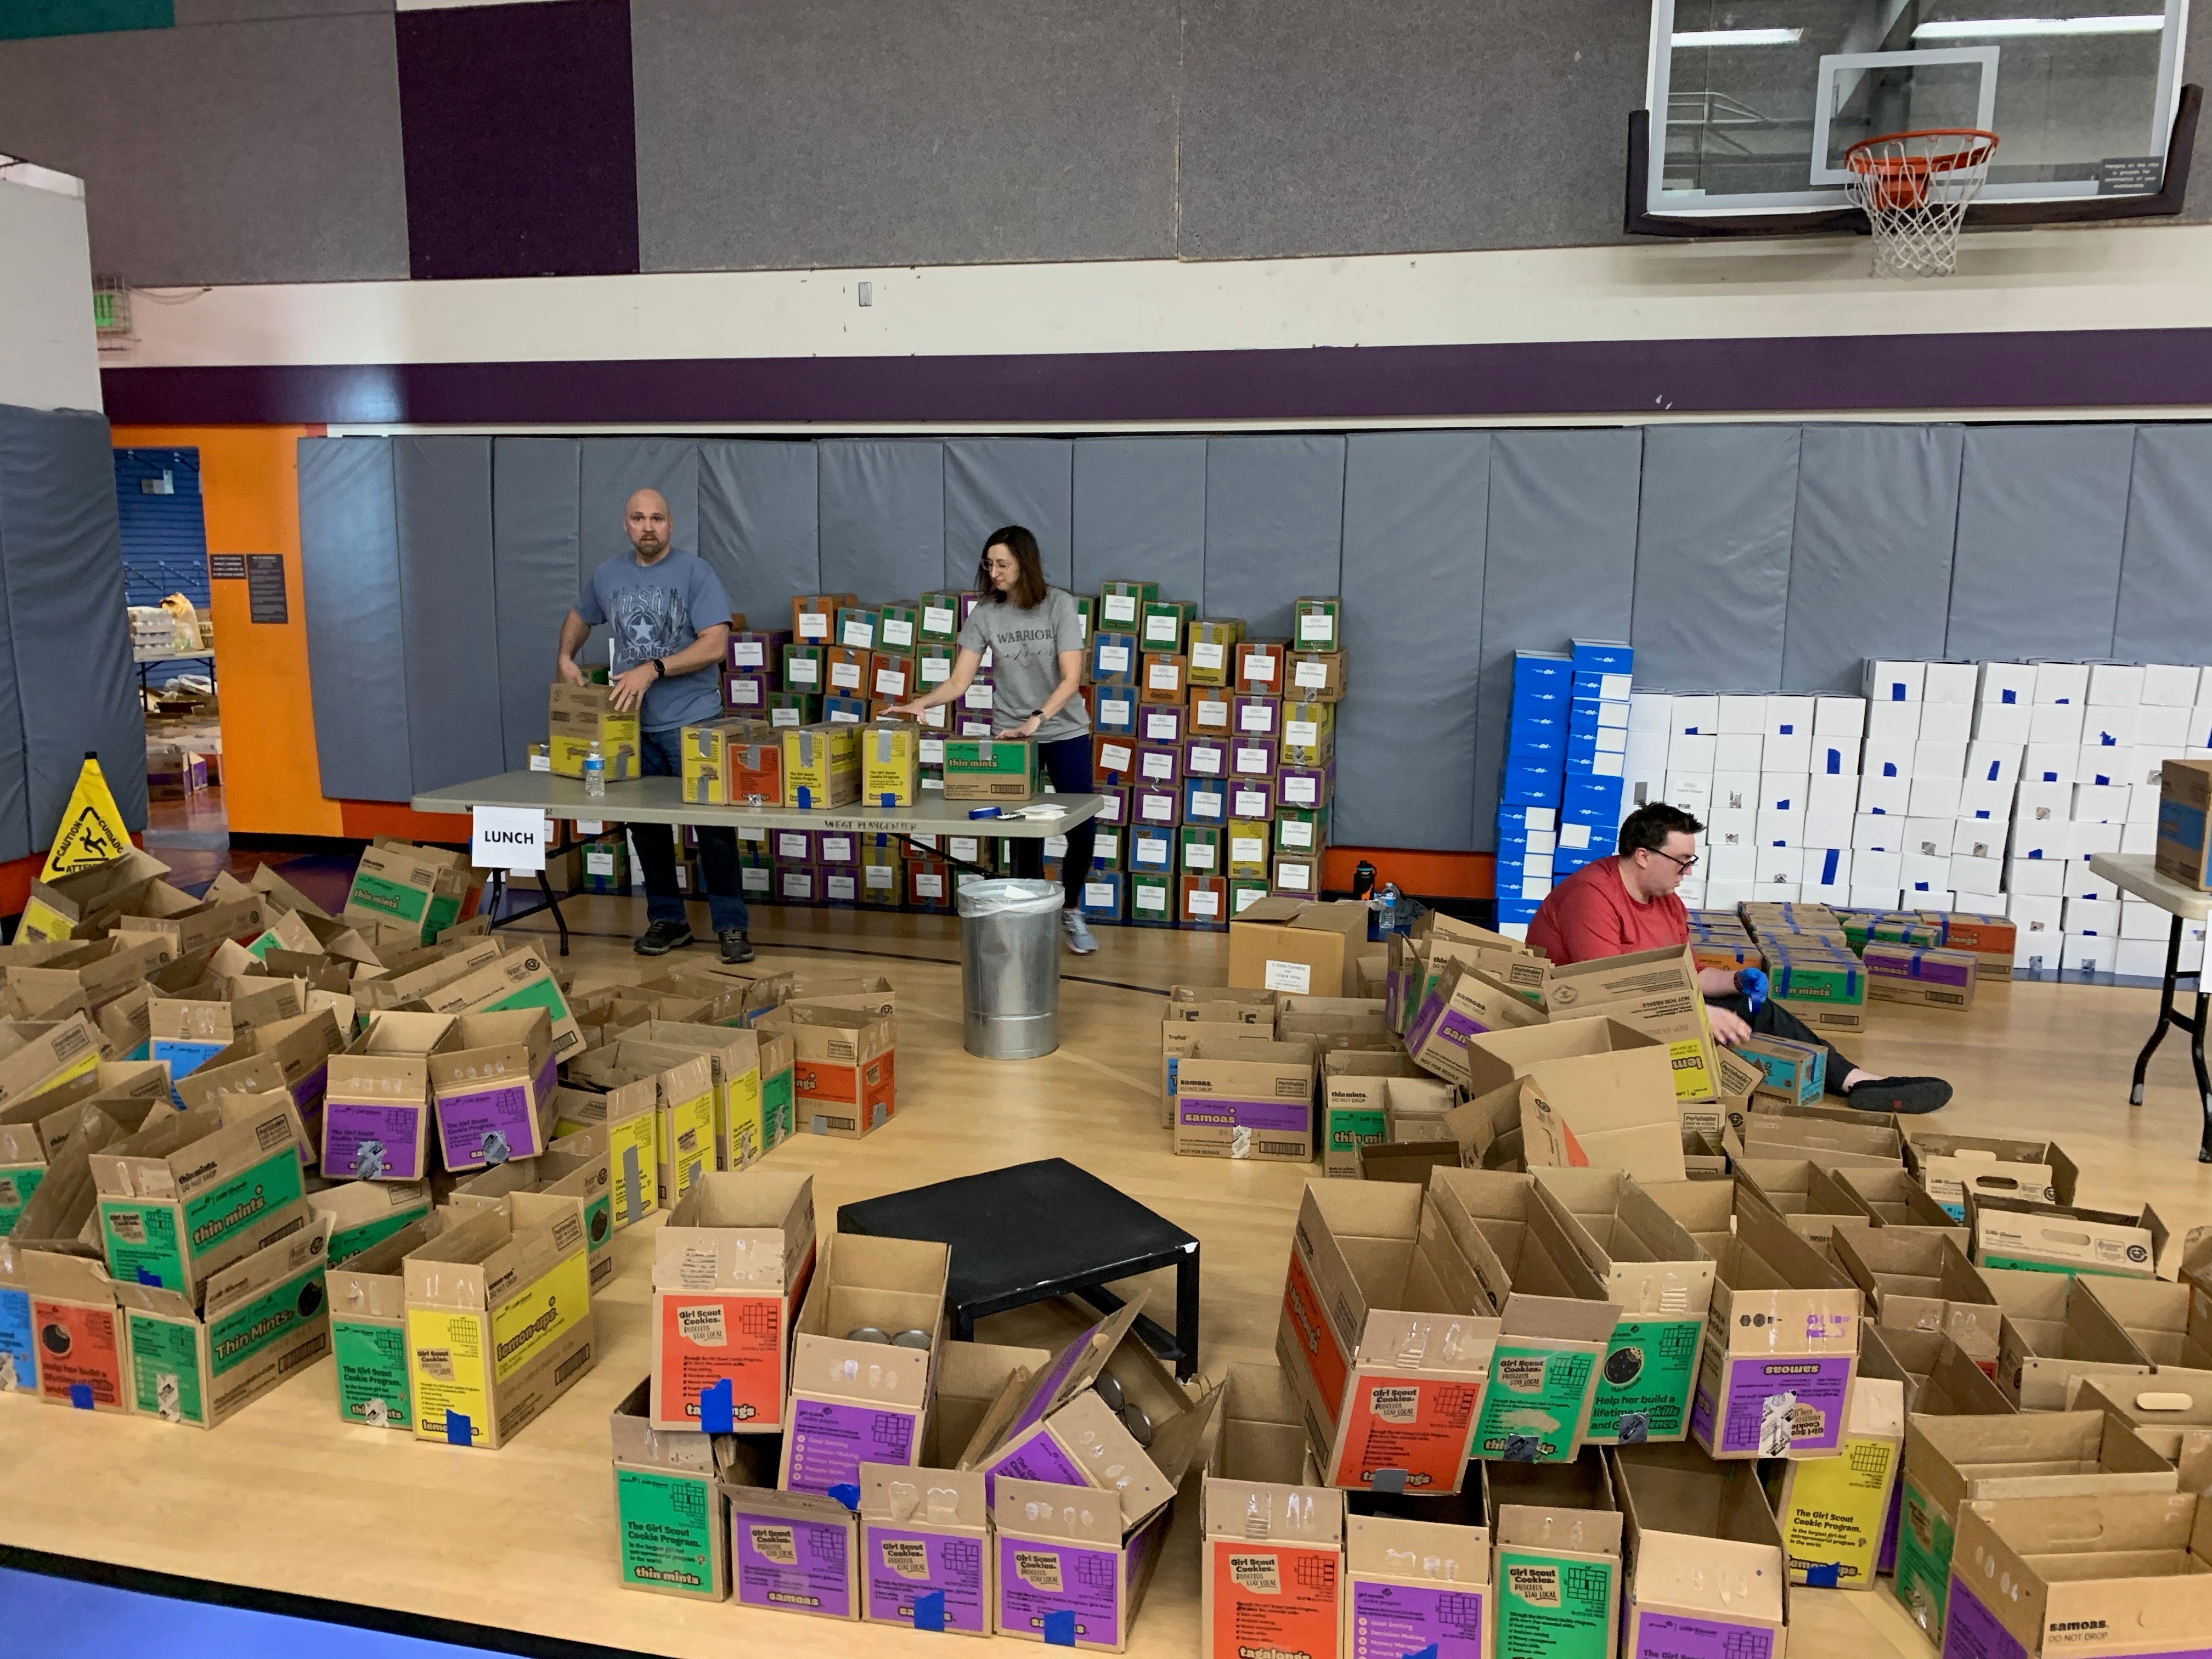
{"x": 41, "y": 920}
{"x": 1838, "y": 1507}
{"x": 634, "y": 1143}
{"x": 526, "y": 1324}
{"x": 1693, "y": 1073}
{"x": 688, "y": 1141}
{"x": 740, "y": 1127}
{"x": 445, "y": 1372}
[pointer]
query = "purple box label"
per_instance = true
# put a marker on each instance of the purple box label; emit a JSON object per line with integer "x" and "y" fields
{"x": 1037, "y": 1458}
{"x": 547, "y": 1080}
{"x": 1670, "y": 1636}
{"x": 1391, "y": 1621}
{"x": 1886, "y": 1560}
{"x": 828, "y": 1442}
{"x": 1777, "y": 1406}
{"x": 308, "y": 1093}
{"x": 1040, "y": 1400}
{"x": 487, "y": 1126}
{"x": 1971, "y": 1631}
{"x": 1425, "y": 1022}
{"x": 1205, "y": 1112}
{"x": 900, "y": 1565}
{"x": 371, "y": 1143}
{"x": 1036, "y": 1578}
{"x": 791, "y": 1564}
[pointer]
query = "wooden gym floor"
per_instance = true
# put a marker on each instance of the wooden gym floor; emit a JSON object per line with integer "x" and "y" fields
{"x": 285, "y": 1497}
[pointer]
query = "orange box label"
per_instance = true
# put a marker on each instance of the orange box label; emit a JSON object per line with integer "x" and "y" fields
{"x": 1316, "y": 1341}
{"x": 705, "y": 1338}
{"x": 1419, "y": 1425}
{"x": 77, "y": 1347}
{"x": 1274, "y": 1598}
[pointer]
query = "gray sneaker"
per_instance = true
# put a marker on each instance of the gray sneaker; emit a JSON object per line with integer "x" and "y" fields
{"x": 1079, "y": 933}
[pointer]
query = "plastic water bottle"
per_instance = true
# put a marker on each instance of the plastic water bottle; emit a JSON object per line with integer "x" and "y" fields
{"x": 1386, "y": 909}
{"x": 595, "y": 774}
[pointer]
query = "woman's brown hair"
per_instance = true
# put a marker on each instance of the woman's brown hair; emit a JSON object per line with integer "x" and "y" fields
{"x": 1029, "y": 589}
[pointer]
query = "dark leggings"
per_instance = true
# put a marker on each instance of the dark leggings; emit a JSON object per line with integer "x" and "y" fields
{"x": 1068, "y": 764}
{"x": 1772, "y": 1019}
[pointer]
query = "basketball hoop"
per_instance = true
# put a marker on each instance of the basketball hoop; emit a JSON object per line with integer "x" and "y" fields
{"x": 1915, "y": 188}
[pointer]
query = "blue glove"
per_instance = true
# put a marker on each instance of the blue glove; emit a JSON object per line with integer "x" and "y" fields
{"x": 1752, "y": 983}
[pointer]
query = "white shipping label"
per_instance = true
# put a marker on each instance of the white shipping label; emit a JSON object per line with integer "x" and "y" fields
{"x": 1198, "y": 855}
{"x": 792, "y": 846}
{"x": 1312, "y": 675}
{"x": 1162, "y": 677}
{"x": 1258, "y": 665}
{"x": 891, "y": 681}
{"x": 1302, "y": 734}
{"x": 814, "y": 625}
{"x": 1158, "y": 628}
{"x": 977, "y": 696}
{"x": 797, "y": 884}
{"x": 1246, "y": 898}
{"x": 1248, "y": 849}
{"x": 1258, "y": 717}
{"x": 1251, "y": 804}
{"x": 1119, "y": 607}
{"x": 1253, "y": 762}
{"x": 1153, "y": 849}
{"x": 748, "y": 653}
{"x": 755, "y": 879}
{"x": 1203, "y": 902}
{"x": 783, "y": 717}
{"x": 1099, "y": 895}
{"x": 929, "y": 884}
{"x": 839, "y": 887}
{"x": 899, "y": 632}
{"x": 1113, "y": 659}
{"x": 1207, "y": 656}
{"x": 935, "y": 670}
{"x": 836, "y": 849}
{"x": 1157, "y": 766}
{"x": 880, "y": 875}
{"x": 1209, "y": 713}
{"x": 932, "y": 752}
{"x": 1158, "y": 727}
{"x": 1151, "y": 897}
{"x": 1116, "y": 756}
{"x": 1301, "y": 792}
{"x": 1205, "y": 802}
{"x": 1159, "y": 809}
{"x": 1317, "y": 626}
{"x": 937, "y": 619}
{"x": 1298, "y": 877}
{"x": 1296, "y": 834}
{"x": 803, "y": 670}
{"x": 1115, "y": 712}
{"x": 1296, "y": 977}
{"x": 860, "y": 635}
{"x": 1205, "y": 760}
{"x": 846, "y": 674}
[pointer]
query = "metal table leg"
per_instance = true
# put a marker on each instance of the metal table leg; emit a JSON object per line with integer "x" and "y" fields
{"x": 2203, "y": 1085}
{"x": 553, "y": 904}
{"x": 1187, "y": 1312}
{"x": 2165, "y": 1016}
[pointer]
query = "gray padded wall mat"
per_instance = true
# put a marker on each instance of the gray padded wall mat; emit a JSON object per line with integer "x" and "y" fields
{"x": 61, "y": 562}
{"x": 14, "y": 796}
{"x": 1712, "y": 555}
{"x": 1868, "y": 580}
{"x": 993, "y": 482}
{"x": 1274, "y": 526}
{"x": 2042, "y": 512}
{"x": 1414, "y": 527}
{"x": 1141, "y": 514}
{"x": 1559, "y": 561}
{"x": 534, "y": 485}
{"x": 760, "y": 524}
{"x": 882, "y": 517}
{"x": 2166, "y": 575}
{"x": 441, "y": 492}
{"x": 356, "y": 650}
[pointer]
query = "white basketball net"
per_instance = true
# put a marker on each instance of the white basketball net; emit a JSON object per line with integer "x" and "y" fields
{"x": 1915, "y": 188}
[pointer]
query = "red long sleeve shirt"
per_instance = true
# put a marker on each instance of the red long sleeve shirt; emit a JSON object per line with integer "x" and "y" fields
{"x": 1591, "y": 914}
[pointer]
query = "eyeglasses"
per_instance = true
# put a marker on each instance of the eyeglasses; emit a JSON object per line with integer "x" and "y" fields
{"x": 1685, "y": 865}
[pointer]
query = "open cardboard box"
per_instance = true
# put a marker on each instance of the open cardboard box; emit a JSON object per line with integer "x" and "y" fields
{"x": 376, "y": 1108}
{"x": 1938, "y": 1381}
{"x": 1705, "y": 1566}
{"x": 1596, "y": 1093}
{"x": 80, "y": 1356}
{"x": 1921, "y": 1280}
{"x": 1793, "y": 1186}
{"x": 925, "y": 1549}
{"x": 1066, "y": 1572}
{"x": 1654, "y": 992}
{"x": 1271, "y": 1573}
{"x": 1951, "y": 1166}
{"x": 670, "y": 1508}
{"x": 575, "y": 1167}
{"x": 1463, "y": 1002}
{"x": 2065, "y": 1238}
{"x": 1833, "y": 1511}
{"x": 2054, "y": 1335}
{"x": 730, "y": 1271}
{"x": 368, "y": 1324}
{"x": 1357, "y": 1091}
{"x": 190, "y": 1194}
{"x": 1557, "y": 1569}
{"x": 1249, "y": 1100}
{"x": 2171, "y": 1413}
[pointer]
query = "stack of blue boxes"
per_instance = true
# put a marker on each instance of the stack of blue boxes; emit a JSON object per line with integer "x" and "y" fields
{"x": 1560, "y": 794}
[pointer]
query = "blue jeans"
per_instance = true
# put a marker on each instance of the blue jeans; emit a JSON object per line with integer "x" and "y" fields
{"x": 660, "y": 754}
{"x": 1068, "y": 764}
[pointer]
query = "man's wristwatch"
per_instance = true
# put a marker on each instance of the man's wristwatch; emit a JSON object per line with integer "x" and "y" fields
{"x": 659, "y": 669}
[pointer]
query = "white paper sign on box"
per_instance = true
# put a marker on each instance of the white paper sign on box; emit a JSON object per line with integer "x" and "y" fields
{"x": 508, "y": 838}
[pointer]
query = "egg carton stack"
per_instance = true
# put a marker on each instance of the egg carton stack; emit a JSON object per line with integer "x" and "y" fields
{"x": 1775, "y": 779}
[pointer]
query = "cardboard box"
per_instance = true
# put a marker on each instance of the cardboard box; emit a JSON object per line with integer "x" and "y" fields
{"x": 730, "y": 1270}
{"x": 1557, "y": 1570}
{"x": 364, "y": 1213}
{"x": 369, "y": 1325}
{"x": 1066, "y": 1572}
{"x": 821, "y": 766}
{"x": 996, "y": 769}
{"x": 891, "y": 762}
{"x": 684, "y": 1105}
{"x": 844, "y": 1076}
{"x": 376, "y": 1112}
{"x": 670, "y": 1506}
{"x": 1921, "y": 1280}
{"x": 1831, "y": 1512}
{"x": 925, "y": 1549}
{"x": 290, "y": 1057}
{"x": 1930, "y": 978}
{"x": 1655, "y": 992}
{"x": 1245, "y": 1103}
{"x": 577, "y": 716}
{"x": 1789, "y": 1074}
{"x": 574, "y": 1167}
{"x": 2127, "y": 1569}
{"x": 521, "y": 979}
{"x": 1643, "y": 1259}
{"x": 190, "y": 1193}
{"x": 1706, "y": 1569}
{"x": 734, "y": 1057}
{"x": 1357, "y": 1088}
{"x": 1781, "y": 1348}
{"x": 2065, "y": 1238}
{"x": 793, "y": 1553}
{"x": 185, "y": 1032}
{"x": 1952, "y": 1463}
{"x": 1372, "y": 1264}
{"x": 1297, "y": 946}
{"x": 628, "y": 1116}
{"x": 1952, "y": 1166}
{"x": 1272, "y": 1571}
{"x": 854, "y": 1402}
{"x": 201, "y": 1359}
{"x": 1619, "y": 1083}
{"x": 1462, "y": 1003}
{"x": 499, "y": 1320}
{"x": 422, "y": 889}
{"x": 2185, "y": 822}
{"x": 80, "y": 1356}
{"x": 2054, "y": 1335}
{"x": 491, "y": 1088}
{"x": 82, "y": 905}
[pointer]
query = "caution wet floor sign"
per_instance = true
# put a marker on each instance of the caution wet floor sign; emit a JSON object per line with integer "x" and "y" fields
{"x": 91, "y": 832}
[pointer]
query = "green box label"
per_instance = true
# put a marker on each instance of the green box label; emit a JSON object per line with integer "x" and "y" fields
{"x": 165, "y": 1370}
{"x": 16, "y": 1186}
{"x": 776, "y": 1108}
{"x": 539, "y": 993}
{"x": 351, "y": 1242}
{"x": 1644, "y": 1382}
{"x": 141, "y": 1244}
{"x": 667, "y": 1524}
{"x": 243, "y": 1332}
{"x": 372, "y": 1366}
{"x": 1351, "y": 1126}
{"x": 243, "y": 1199}
{"x": 1923, "y": 1562}
{"x": 1532, "y": 1404}
{"x": 395, "y": 899}
{"x": 1552, "y": 1609}
{"x": 2023, "y": 1264}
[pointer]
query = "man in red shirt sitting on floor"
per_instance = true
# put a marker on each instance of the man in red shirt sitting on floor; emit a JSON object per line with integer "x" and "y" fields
{"x": 1624, "y": 904}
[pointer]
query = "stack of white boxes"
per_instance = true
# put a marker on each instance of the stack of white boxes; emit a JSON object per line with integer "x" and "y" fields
{"x": 1774, "y": 780}
{"x": 1934, "y": 795}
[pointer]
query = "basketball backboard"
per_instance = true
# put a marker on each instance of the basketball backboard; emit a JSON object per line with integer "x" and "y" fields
{"x": 1758, "y": 100}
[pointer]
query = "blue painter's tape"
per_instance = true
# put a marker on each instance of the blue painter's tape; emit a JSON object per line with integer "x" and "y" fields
{"x": 715, "y": 1414}
{"x": 1060, "y": 1628}
{"x": 81, "y": 1397}
{"x": 805, "y": 796}
{"x": 847, "y": 1494}
{"x": 889, "y": 798}
{"x": 2009, "y": 694}
{"x": 1822, "y": 1576}
{"x": 1428, "y": 1652}
{"x": 1995, "y": 767}
{"x": 1828, "y": 867}
{"x": 146, "y": 1276}
{"x": 457, "y": 1430}
{"x": 929, "y": 1610}
{"x": 1889, "y": 768}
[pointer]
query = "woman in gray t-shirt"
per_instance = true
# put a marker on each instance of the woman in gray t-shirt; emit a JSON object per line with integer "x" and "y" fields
{"x": 1035, "y": 637}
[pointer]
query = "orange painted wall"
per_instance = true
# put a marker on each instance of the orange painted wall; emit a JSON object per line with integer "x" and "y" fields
{"x": 1429, "y": 875}
{"x": 250, "y": 492}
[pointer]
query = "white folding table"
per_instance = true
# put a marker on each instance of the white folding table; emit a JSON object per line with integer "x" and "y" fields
{"x": 660, "y": 800}
{"x": 2137, "y": 873}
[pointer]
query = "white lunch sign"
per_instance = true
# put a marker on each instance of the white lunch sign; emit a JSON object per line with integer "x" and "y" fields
{"x": 509, "y": 838}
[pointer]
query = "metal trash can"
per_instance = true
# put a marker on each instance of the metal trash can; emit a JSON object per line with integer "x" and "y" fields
{"x": 1010, "y": 968}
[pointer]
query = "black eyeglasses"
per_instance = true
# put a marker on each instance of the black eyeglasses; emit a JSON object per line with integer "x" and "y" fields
{"x": 1685, "y": 865}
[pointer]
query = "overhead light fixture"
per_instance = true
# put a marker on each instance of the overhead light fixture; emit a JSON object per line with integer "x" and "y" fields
{"x": 1737, "y": 38}
{"x": 1990, "y": 28}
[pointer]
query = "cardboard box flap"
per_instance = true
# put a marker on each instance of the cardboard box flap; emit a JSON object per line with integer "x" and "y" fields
{"x": 229, "y": 1287}
{"x": 636, "y": 1440}
{"x": 2089, "y": 1563}
{"x": 894, "y": 1495}
{"x": 1072, "y": 1369}
{"x": 1569, "y": 1506}
{"x": 371, "y": 1286}
{"x": 1434, "y": 1552}
{"x": 1263, "y": 1436}
{"x": 1074, "y": 1515}
{"x": 1271, "y": 1512}
{"x": 737, "y": 1231}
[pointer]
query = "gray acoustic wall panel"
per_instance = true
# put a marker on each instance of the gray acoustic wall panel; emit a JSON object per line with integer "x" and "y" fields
{"x": 1559, "y": 563}
{"x": 846, "y": 132}
{"x": 534, "y": 486}
{"x": 441, "y": 495}
{"x": 1139, "y": 514}
{"x": 882, "y": 517}
{"x": 1299, "y": 134}
{"x": 760, "y": 524}
{"x": 993, "y": 482}
{"x": 615, "y": 468}
{"x": 2165, "y": 574}
{"x": 1870, "y": 565}
{"x": 356, "y": 640}
{"x": 1415, "y": 521}
{"x": 67, "y": 643}
{"x": 253, "y": 152}
{"x": 2042, "y": 514}
{"x": 1274, "y": 526}
{"x": 1712, "y": 555}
